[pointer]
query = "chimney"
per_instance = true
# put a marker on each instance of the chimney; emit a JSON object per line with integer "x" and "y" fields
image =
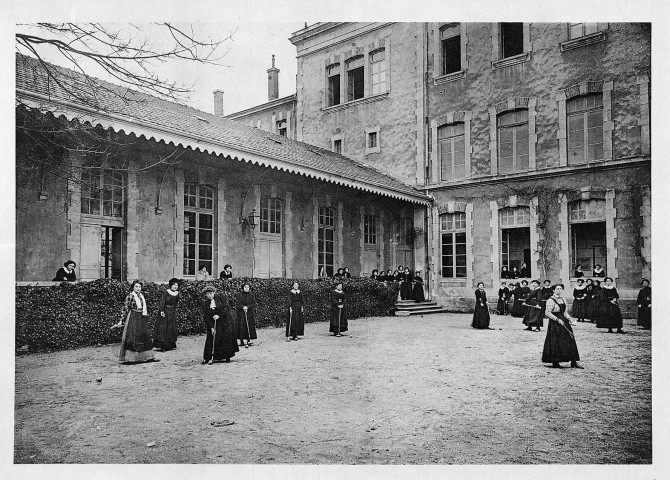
{"x": 273, "y": 81}
{"x": 218, "y": 103}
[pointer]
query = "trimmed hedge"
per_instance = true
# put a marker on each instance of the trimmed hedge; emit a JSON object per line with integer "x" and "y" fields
{"x": 71, "y": 315}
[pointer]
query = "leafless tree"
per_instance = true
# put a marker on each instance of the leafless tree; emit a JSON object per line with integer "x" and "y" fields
{"x": 127, "y": 62}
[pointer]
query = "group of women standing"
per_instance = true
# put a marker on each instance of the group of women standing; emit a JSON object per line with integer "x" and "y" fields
{"x": 411, "y": 285}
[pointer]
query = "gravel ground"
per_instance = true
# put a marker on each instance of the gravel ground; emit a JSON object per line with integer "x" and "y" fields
{"x": 396, "y": 390}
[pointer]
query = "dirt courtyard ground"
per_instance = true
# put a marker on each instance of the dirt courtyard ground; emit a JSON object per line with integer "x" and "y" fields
{"x": 395, "y": 390}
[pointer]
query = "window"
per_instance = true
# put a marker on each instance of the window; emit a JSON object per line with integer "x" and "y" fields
{"x": 515, "y": 237}
{"x": 326, "y": 242}
{"x": 355, "y": 79}
{"x": 378, "y": 77}
{"x": 270, "y": 215}
{"x": 337, "y": 146}
{"x": 281, "y": 127}
{"x": 585, "y": 128}
{"x": 198, "y": 228}
{"x": 369, "y": 229}
{"x": 405, "y": 231}
{"x": 451, "y": 144}
{"x": 511, "y": 39}
{"x": 102, "y": 190}
{"x": 452, "y": 231}
{"x": 582, "y": 29}
{"x": 588, "y": 244}
{"x": 333, "y": 84}
{"x": 513, "y": 141}
{"x": 372, "y": 140}
{"x": 450, "y": 44}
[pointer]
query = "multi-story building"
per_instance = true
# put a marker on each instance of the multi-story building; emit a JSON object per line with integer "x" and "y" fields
{"x": 360, "y": 92}
{"x": 538, "y": 152}
{"x": 533, "y": 139}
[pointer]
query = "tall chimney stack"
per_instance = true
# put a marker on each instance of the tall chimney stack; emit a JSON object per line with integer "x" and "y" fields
{"x": 273, "y": 81}
{"x": 218, "y": 103}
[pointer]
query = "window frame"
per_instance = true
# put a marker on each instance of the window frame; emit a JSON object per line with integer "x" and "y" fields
{"x": 326, "y": 223}
{"x": 453, "y": 228}
{"x": 355, "y": 76}
{"x": 376, "y": 130}
{"x": 333, "y": 85}
{"x": 94, "y": 182}
{"x": 517, "y": 218}
{"x": 585, "y": 113}
{"x": 271, "y": 205}
{"x": 200, "y": 205}
{"x": 369, "y": 230}
{"x": 382, "y": 69}
{"x": 451, "y": 139}
{"x": 514, "y": 128}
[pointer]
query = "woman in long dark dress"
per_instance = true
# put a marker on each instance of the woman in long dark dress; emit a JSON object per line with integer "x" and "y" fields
{"x": 588, "y": 300}
{"x": 595, "y": 302}
{"x": 295, "y": 323}
{"x": 503, "y": 295}
{"x": 534, "y": 315}
{"x": 220, "y": 343}
{"x": 136, "y": 341}
{"x": 417, "y": 289}
{"x": 245, "y": 306}
{"x": 66, "y": 272}
{"x": 579, "y": 303}
{"x": 560, "y": 344}
{"x": 521, "y": 293}
{"x": 165, "y": 328}
{"x": 610, "y": 313}
{"x": 338, "y": 314}
{"x": 481, "y": 318}
{"x": 406, "y": 285}
{"x": 644, "y": 306}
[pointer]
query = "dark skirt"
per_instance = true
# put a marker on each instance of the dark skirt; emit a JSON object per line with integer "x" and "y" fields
{"x": 593, "y": 309}
{"x": 245, "y": 328}
{"x": 481, "y": 317}
{"x": 517, "y": 307}
{"x": 224, "y": 345}
{"x": 579, "y": 309}
{"x": 295, "y": 323}
{"x": 338, "y": 320}
{"x": 502, "y": 306}
{"x": 610, "y": 316}
{"x": 165, "y": 330}
{"x": 417, "y": 292}
{"x": 534, "y": 317}
{"x": 559, "y": 346}
{"x": 406, "y": 291}
{"x": 136, "y": 342}
{"x": 644, "y": 317}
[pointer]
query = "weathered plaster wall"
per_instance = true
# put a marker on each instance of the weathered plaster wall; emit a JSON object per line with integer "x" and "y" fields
{"x": 394, "y": 113}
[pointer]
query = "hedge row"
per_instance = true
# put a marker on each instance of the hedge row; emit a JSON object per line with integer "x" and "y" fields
{"x": 71, "y": 315}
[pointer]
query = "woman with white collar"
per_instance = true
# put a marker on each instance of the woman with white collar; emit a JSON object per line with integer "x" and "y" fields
{"x": 136, "y": 341}
{"x": 165, "y": 329}
{"x": 560, "y": 344}
{"x": 579, "y": 303}
{"x": 610, "y": 313}
{"x": 295, "y": 323}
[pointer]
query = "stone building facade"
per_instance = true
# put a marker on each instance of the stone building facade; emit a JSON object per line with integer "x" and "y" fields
{"x": 360, "y": 92}
{"x": 539, "y": 152}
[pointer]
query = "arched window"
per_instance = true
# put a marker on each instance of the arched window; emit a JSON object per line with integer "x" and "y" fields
{"x": 198, "y": 228}
{"x": 585, "y": 128}
{"x": 451, "y": 144}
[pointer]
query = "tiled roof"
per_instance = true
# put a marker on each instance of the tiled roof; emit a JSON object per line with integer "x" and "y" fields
{"x": 160, "y": 119}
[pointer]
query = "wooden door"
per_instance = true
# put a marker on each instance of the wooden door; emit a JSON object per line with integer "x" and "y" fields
{"x": 269, "y": 258}
{"x": 90, "y": 252}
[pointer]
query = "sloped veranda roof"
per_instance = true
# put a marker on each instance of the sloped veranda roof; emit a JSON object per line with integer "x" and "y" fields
{"x": 158, "y": 119}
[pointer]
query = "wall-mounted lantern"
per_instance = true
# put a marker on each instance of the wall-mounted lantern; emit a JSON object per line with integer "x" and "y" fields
{"x": 250, "y": 220}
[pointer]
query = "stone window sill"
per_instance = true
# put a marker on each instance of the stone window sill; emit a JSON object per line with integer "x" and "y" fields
{"x": 373, "y": 150}
{"x": 450, "y": 77}
{"x": 583, "y": 41}
{"x": 353, "y": 103}
{"x": 508, "y": 62}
